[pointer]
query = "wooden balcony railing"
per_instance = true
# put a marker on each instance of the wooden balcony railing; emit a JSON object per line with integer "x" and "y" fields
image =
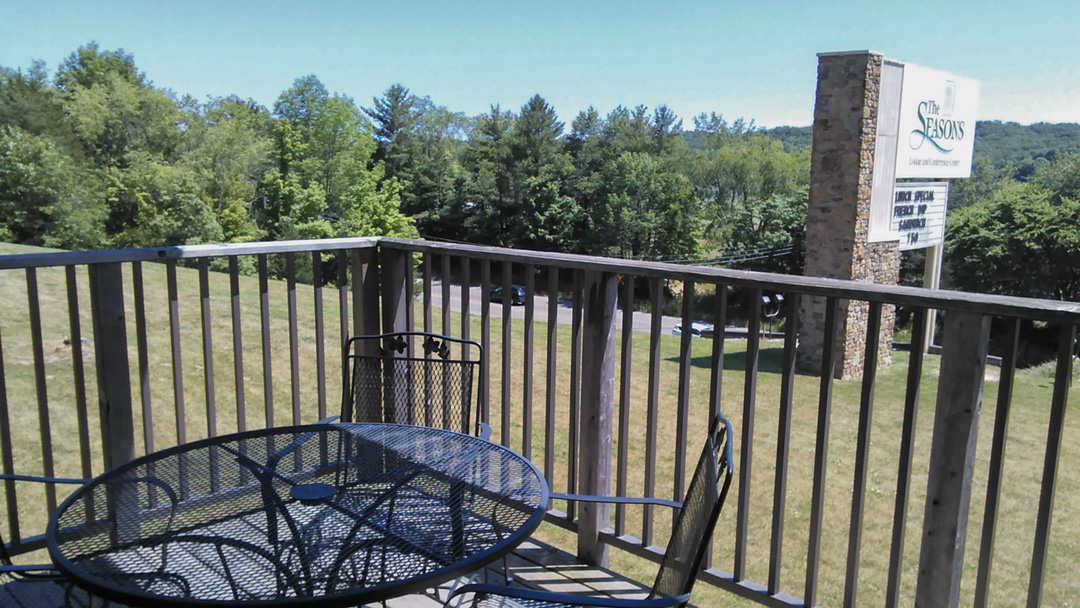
{"x": 842, "y": 498}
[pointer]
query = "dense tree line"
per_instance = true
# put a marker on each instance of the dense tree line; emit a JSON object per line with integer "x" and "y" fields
{"x": 97, "y": 156}
{"x": 1005, "y": 146}
{"x": 94, "y": 155}
{"x": 1014, "y": 226}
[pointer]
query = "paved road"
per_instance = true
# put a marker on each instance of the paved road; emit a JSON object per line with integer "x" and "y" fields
{"x": 642, "y": 321}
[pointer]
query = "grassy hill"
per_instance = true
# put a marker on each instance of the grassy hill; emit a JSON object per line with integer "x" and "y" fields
{"x": 1009, "y": 143}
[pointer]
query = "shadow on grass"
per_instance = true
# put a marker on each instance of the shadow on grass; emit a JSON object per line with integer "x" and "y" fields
{"x": 770, "y": 361}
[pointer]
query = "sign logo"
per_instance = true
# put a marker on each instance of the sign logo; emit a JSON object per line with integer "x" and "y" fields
{"x": 936, "y": 126}
{"x": 937, "y": 116}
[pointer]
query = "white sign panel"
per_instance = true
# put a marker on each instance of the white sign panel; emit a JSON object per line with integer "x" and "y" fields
{"x": 937, "y": 124}
{"x": 918, "y": 214}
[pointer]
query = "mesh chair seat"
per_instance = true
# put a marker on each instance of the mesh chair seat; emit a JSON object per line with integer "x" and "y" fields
{"x": 412, "y": 378}
{"x": 48, "y": 592}
{"x": 39, "y": 586}
{"x": 685, "y": 552}
{"x": 496, "y": 599}
{"x": 33, "y": 592}
{"x": 502, "y": 601}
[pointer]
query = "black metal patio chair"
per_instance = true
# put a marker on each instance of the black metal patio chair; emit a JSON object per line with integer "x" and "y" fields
{"x": 40, "y": 585}
{"x": 690, "y": 537}
{"x": 415, "y": 378}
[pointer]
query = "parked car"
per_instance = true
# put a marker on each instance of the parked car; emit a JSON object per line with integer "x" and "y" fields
{"x": 517, "y": 294}
{"x": 697, "y": 330}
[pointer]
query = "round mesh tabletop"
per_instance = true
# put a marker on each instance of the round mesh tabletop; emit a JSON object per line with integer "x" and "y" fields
{"x": 328, "y": 515}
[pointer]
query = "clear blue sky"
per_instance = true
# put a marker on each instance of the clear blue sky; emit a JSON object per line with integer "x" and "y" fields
{"x": 754, "y": 59}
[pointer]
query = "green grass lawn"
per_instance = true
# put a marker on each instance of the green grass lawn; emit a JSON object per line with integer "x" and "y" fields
{"x": 1025, "y": 448}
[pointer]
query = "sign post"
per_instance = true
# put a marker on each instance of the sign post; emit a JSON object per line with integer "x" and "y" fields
{"x": 932, "y": 280}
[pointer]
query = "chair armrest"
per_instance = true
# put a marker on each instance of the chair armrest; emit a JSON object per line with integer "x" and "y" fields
{"x": 485, "y": 430}
{"x": 41, "y": 479}
{"x": 328, "y": 420}
{"x": 568, "y": 599}
{"x": 47, "y": 570}
{"x": 272, "y": 460}
{"x": 617, "y": 500}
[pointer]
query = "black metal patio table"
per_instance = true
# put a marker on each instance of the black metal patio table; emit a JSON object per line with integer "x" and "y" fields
{"x": 319, "y": 515}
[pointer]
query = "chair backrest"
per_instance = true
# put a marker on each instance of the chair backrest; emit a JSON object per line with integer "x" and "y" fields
{"x": 412, "y": 378}
{"x": 694, "y": 523}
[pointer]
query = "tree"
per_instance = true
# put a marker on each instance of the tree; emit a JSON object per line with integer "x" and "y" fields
{"x": 1020, "y": 147}
{"x": 322, "y": 145}
{"x": 1024, "y": 241}
{"x": 591, "y": 150}
{"x": 985, "y": 180}
{"x": 742, "y": 177}
{"x": 1060, "y": 176}
{"x": 45, "y": 198}
{"x": 628, "y": 130}
{"x": 302, "y": 104}
{"x": 430, "y": 195}
{"x": 718, "y": 133}
{"x": 89, "y": 66}
{"x": 486, "y": 194}
{"x": 536, "y": 136}
{"x": 29, "y": 103}
{"x": 155, "y": 204}
{"x": 666, "y": 133}
{"x": 650, "y": 212}
{"x": 340, "y": 150}
{"x": 539, "y": 212}
{"x": 114, "y": 117}
{"x": 288, "y": 146}
{"x": 419, "y": 144}
{"x": 230, "y": 154}
{"x": 374, "y": 210}
{"x": 394, "y": 124}
{"x": 772, "y": 222}
{"x": 113, "y": 110}
{"x": 289, "y": 204}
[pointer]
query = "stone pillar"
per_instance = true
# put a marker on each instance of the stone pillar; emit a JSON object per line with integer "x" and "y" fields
{"x": 838, "y": 219}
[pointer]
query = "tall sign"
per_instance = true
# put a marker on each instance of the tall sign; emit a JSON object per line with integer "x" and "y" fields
{"x": 937, "y": 124}
{"x": 886, "y": 137}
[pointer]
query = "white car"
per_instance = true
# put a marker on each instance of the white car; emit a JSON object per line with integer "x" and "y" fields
{"x": 697, "y": 330}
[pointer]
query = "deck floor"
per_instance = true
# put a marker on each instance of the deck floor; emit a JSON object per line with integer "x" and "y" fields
{"x": 538, "y": 566}
{"x": 533, "y": 565}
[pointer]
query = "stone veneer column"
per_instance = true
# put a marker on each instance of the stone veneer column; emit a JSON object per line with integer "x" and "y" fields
{"x": 837, "y": 223}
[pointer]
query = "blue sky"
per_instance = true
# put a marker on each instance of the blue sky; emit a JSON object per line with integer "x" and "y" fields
{"x": 754, "y": 59}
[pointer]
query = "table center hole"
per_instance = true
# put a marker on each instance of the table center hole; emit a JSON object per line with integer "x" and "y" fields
{"x": 312, "y": 492}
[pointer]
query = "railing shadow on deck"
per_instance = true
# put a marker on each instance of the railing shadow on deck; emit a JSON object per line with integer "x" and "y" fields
{"x": 833, "y": 476}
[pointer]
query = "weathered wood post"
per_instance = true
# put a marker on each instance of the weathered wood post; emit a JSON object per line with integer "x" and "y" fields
{"x": 111, "y": 356}
{"x": 365, "y": 291}
{"x": 952, "y": 459}
{"x": 365, "y": 308}
{"x": 597, "y": 412}
{"x": 394, "y": 286}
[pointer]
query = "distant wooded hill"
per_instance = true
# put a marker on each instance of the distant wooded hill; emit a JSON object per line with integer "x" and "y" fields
{"x": 1003, "y": 143}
